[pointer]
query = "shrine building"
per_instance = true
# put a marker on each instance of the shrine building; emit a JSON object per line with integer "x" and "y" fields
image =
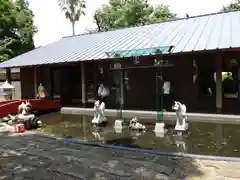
{"x": 199, "y": 55}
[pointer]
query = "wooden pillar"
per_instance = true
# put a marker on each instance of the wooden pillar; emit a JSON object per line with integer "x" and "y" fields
{"x": 195, "y": 86}
{"x": 8, "y": 75}
{"x": 83, "y": 84}
{"x": 95, "y": 80}
{"x": 35, "y": 82}
{"x": 9, "y": 79}
{"x": 219, "y": 83}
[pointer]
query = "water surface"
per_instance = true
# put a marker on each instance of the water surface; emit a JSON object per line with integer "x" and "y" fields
{"x": 202, "y": 138}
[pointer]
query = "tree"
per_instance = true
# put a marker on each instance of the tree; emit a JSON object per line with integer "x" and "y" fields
{"x": 234, "y": 6}
{"x": 125, "y": 13}
{"x": 16, "y": 28}
{"x": 73, "y": 10}
{"x": 161, "y": 13}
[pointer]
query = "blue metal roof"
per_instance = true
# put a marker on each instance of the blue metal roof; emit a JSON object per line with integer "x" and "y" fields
{"x": 207, "y": 32}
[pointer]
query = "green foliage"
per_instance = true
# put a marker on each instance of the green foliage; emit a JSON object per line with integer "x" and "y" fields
{"x": 161, "y": 13}
{"x": 16, "y": 28}
{"x": 73, "y": 10}
{"x": 234, "y": 6}
{"x": 126, "y": 13}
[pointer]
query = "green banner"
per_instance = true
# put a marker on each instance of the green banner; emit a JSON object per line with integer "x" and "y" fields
{"x": 139, "y": 52}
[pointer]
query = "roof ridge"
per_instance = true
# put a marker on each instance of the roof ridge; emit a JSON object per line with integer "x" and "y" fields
{"x": 164, "y": 21}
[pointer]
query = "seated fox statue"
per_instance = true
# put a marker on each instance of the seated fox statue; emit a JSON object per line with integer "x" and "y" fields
{"x": 24, "y": 116}
{"x": 181, "y": 109}
{"x": 135, "y": 125}
{"x": 99, "y": 116}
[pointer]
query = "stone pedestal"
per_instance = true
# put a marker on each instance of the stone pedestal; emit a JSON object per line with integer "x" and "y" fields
{"x": 99, "y": 120}
{"x": 4, "y": 97}
{"x": 181, "y": 128}
{"x": 118, "y": 130}
{"x": 6, "y": 91}
{"x": 99, "y": 116}
{"x": 160, "y": 134}
{"x": 118, "y": 125}
{"x": 159, "y": 129}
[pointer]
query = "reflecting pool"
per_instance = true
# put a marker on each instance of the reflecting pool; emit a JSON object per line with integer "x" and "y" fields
{"x": 202, "y": 138}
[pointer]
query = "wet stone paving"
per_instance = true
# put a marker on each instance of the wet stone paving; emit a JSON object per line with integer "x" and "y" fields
{"x": 29, "y": 157}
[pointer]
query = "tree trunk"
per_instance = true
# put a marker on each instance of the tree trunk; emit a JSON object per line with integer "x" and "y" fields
{"x": 98, "y": 23}
{"x": 73, "y": 28}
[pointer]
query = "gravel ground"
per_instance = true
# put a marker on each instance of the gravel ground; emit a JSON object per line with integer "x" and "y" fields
{"x": 29, "y": 157}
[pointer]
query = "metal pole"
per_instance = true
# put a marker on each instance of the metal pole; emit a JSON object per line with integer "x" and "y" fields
{"x": 159, "y": 94}
{"x": 118, "y": 93}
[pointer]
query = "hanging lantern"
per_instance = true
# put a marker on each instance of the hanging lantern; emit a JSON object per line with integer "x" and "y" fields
{"x": 233, "y": 62}
{"x": 196, "y": 70}
{"x": 117, "y": 65}
{"x": 126, "y": 80}
{"x": 136, "y": 60}
{"x": 126, "y": 76}
{"x": 156, "y": 62}
{"x": 101, "y": 71}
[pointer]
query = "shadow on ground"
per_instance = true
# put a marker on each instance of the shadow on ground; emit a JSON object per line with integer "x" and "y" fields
{"x": 33, "y": 157}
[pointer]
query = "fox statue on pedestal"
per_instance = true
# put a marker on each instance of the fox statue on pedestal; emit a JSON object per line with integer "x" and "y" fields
{"x": 99, "y": 116}
{"x": 181, "y": 109}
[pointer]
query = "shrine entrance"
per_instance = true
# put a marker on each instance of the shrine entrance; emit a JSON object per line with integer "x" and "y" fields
{"x": 66, "y": 85}
{"x": 139, "y": 88}
{"x": 138, "y": 83}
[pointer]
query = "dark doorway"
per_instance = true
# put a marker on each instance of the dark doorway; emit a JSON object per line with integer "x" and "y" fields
{"x": 140, "y": 90}
{"x": 56, "y": 90}
{"x": 66, "y": 85}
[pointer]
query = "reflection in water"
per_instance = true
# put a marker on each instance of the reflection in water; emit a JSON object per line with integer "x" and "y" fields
{"x": 84, "y": 122}
{"x": 180, "y": 141}
{"x": 118, "y": 130}
{"x": 202, "y": 138}
{"x": 219, "y": 137}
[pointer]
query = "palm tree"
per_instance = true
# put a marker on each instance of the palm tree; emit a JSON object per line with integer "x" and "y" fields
{"x": 73, "y": 10}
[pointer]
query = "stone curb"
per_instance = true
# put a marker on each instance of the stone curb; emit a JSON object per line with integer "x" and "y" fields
{"x": 172, "y": 154}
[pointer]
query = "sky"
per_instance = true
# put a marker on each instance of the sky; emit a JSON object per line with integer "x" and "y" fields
{"x": 52, "y": 25}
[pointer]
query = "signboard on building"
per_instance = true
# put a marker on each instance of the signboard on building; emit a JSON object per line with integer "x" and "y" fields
{"x": 162, "y": 63}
